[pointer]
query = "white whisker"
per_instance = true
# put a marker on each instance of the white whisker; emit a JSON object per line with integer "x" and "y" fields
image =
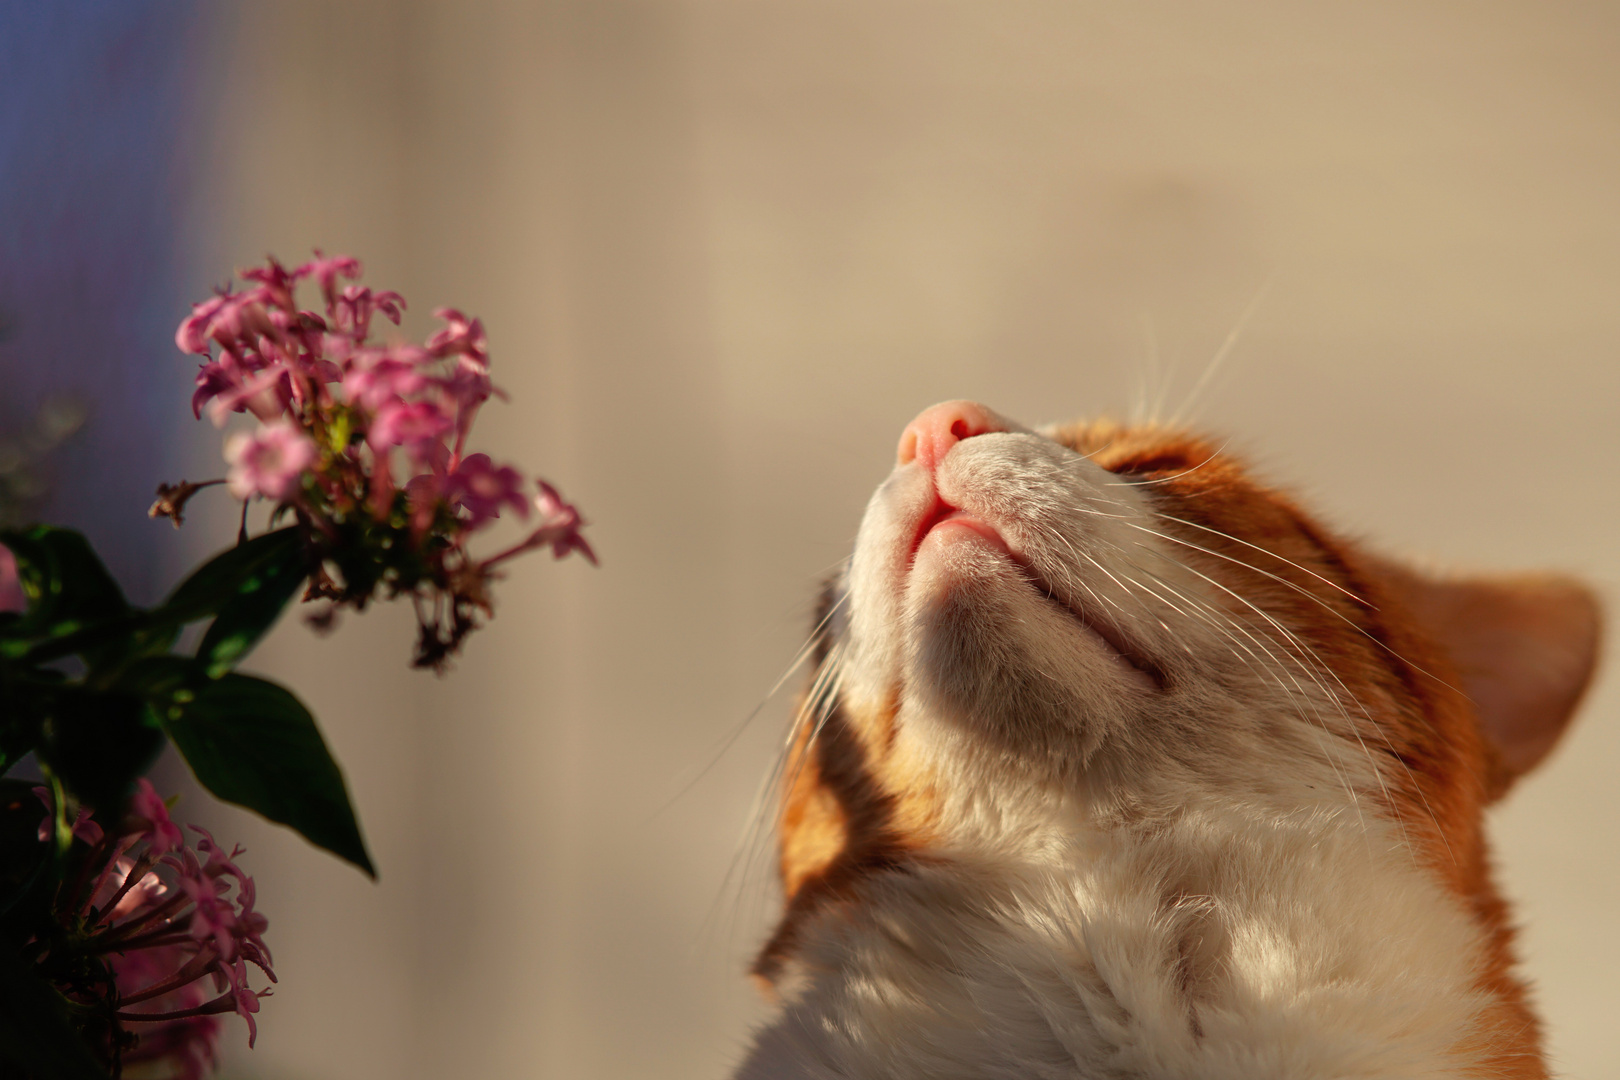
{"x": 1221, "y": 354}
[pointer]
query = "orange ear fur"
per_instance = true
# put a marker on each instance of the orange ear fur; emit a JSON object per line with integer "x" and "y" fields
{"x": 1525, "y": 648}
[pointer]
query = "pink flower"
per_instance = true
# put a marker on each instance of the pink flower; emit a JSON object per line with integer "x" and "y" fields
{"x": 245, "y": 999}
{"x": 390, "y": 303}
{"x": 276, "y": 284}
{"x": 230, "y": 319}
{"x": 559, "y": 530}
{"x": 413, "y": 425}
{"x": 12, "y": 597}
{"x": 186, "y": 1043}
{"x": 326, "y": 271}
{"x": 270, "y": 462}
{"x": 173, "y": 939}
{"x": 162, "y": 834}
{"x": 355, "y": 307}
{"x": 83, "y": 828}
{"x": 377, "y": 379}
{"x": 212, "y": 380}
{"x": 462, "y": 336}
{"x": 235, "y": 383}
{"x": 379, "y": 428}
{"x": 422, "y": 495}
{"x": 480, "y": 488}
{"x": 561, "y": 524}
{"x": 218, "y": 861}
{"x": 147, "y": 891}
{"x": 468, "y": 386}
{"x": 192, "y": 336}
{"x": 264, "y": 394}
{"x": 250, "y": 925}
{"x": 213, "y": 919}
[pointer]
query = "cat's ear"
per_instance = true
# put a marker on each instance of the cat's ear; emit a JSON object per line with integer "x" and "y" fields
{"x": 1525, "y": 648}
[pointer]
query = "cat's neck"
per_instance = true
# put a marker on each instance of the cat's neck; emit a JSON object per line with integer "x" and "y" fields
{"x": 1208, "y": 944}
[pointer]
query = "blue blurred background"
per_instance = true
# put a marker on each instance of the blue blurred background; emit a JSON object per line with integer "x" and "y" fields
{"x": 100, "y": 133}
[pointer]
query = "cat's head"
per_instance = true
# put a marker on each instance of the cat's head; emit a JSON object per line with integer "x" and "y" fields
{"x": 1116, "y": 623}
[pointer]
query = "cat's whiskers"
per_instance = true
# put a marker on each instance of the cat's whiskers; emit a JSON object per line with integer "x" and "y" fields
{"x": 754, "y": 844}
{"x": 1284, "y": 581}
{"x": 1056, "y": 533}
{"x": 1274, "y": 672}
{"x": 1308, "y": 661}
{"x": 1316, "y": 660}
{"x": 1128, "y": 518}
{"x": 731, "y": 737}
{"x": 819, "y": 703}
{"x": 1224, "y": 623}
{"x": 1220, "y": 356}
{"x": 1309, "y": 655}
{"x": 755, "y": 836}
{"x": 1264, "y": 551}
{"x": 1153, "y": 382}
{"x": 1304, "y": 704}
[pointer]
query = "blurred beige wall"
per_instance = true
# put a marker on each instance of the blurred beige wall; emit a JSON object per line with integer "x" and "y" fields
{"x": 724, "y": 252}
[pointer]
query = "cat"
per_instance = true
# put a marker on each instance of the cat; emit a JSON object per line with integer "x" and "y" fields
{"x": 1119, "y": 764}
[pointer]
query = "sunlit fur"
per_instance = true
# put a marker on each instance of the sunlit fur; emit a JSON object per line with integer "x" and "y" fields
{"x": 1174, "y": 784}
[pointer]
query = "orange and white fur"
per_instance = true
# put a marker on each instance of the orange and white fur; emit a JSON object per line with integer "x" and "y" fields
{"x": 1118, "y": 764}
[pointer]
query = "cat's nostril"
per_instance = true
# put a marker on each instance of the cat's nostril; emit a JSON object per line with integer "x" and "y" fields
{"x": 931, "y": 435}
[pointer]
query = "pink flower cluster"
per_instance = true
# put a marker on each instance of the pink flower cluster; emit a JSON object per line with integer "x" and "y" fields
{"x": 352, "y": 428}
{"x": 12, "y": 597}
{"x": 176, "y": 928}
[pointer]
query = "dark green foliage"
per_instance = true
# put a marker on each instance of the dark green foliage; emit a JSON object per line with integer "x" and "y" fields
{"x": 97, "y": 742}
{"x": 67, "y": 586}
{"x": 96, "y": 725}
{"x": 22, "y": 856}
{"x": 36, "y": 1039}
{"x": 92, "y": 688}
{"x": 253, "y": 743}
{"x": 266, "y": 579}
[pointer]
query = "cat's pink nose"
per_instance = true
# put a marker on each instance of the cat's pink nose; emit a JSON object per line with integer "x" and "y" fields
{"x": 930, "y": 437}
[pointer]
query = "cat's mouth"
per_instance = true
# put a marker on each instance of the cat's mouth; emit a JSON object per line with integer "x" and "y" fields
{"x": 1135, "y": 663}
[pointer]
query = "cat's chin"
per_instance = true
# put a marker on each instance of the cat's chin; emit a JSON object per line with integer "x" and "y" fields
{"x": 967, "y": 584}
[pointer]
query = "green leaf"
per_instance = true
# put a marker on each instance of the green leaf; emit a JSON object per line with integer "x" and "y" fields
{"x": 253, "y": 743}
{"x": 23, "y": 855}
{"x": 277, "y": 570}
{"x": 235, "y": 571}
{"x": 159, "y": 678}
{"x": 67, "y": 586}
{"x": 97, "y": 642}
{"x": 20, "y": 710}
{"x": 242, "y": 569}
{"x": 35, "y": 1036}
{"x": 98, "y": 743}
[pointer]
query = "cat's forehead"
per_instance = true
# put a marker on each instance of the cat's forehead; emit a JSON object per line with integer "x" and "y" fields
{"x": 1140, "y": 448}
{"x": 1191, "y": 476}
